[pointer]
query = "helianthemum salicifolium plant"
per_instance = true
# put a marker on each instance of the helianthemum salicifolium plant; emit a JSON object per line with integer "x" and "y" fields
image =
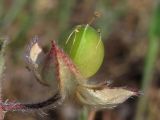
{"x": 69, "y": 69}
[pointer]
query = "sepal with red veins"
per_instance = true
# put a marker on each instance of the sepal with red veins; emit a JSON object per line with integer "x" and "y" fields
{"x": 72, "y": 85}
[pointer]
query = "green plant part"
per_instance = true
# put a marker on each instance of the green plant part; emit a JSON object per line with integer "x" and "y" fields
{"x": 3, "y": 43}
{"x": 84, "y": 46}
{"x": 71, "y": 86}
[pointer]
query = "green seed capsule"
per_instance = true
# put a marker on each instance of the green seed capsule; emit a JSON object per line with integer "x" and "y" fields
{"x": 86, "y": 49}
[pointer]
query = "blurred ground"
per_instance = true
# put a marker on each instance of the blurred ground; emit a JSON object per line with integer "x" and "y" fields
{"x": 124, "y": 25}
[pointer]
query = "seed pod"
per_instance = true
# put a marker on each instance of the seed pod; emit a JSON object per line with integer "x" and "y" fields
{"x": 86, "y": 49}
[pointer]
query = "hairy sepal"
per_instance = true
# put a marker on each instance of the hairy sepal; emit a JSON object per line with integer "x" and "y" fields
{"x": 35, "y": 58}
{"x": 96, "y": 96}
{"x": 67, "y": 73}
{"x": 106, "y": 97}
{"x": 71, "y": 85}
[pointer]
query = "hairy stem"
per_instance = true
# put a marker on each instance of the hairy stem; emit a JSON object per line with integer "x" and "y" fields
{"x": 3, "y": 43}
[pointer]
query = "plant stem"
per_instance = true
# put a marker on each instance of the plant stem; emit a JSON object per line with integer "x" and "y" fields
{"x": 84, "y": 114}
{"x": 151, "y": 57}
{"x": 3, "y": 43}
